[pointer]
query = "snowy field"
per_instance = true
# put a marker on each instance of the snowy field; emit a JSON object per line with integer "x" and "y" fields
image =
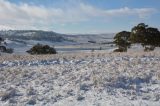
{"x": 81, "y": 79}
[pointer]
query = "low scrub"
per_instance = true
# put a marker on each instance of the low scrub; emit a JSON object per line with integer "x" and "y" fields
{"x": 41, "y": 49}
{"x": 120, "y": 50}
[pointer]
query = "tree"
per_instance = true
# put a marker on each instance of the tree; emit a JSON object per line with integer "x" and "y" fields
{"x": 138, "y": 33}
{"x": 148, "y": 37}
{"x": 121, "y": 40}
{"x": 1, "y": 40}
{"x": 2, "y": 47}
{"x": 41, "y": 49}
{"x": 151, "y": 38}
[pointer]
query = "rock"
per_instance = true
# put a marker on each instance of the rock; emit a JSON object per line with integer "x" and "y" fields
{"x": 146, "y": 97}
{"x": 71, "y": 93}
{"x": 31, "y": 102}
{"x": 31, "y": 91}
{"x": 80, "y": 98}
{"x": 40, "y": 98}
{"x": 12, "y": 101}
{"x": 133, "y": 98}
{"x": 85, "y": 87}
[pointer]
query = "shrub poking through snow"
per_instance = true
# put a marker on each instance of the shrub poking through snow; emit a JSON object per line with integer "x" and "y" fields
{"x": 9, "y": 94}
{"x": 31, "y": 102}
{"x": 80, "y": 98}
{"x": 119, "y": 50}
{"x": 41, "y": 49}
{"x": 9, "y": 50}
{"x": 3, "y": 47}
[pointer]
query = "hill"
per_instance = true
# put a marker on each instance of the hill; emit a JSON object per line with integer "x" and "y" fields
{"x": 32, "y": 35}
{"x": 22, "y": 40}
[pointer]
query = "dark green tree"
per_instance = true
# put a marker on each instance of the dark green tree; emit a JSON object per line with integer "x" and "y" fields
{"x": 2, "y": 47}
{"x": 148, "y": 37}
{"x": 138, "y": 33}
{"x": 1, "y": 40}
{"x": 121, "y": 40}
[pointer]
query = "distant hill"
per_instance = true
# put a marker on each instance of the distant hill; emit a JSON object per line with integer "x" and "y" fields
{"x": 23, "y": 40}
{"x": 51, "y": 36}
{"x": 89, "y": 38}
{"x": 32, "y": 35}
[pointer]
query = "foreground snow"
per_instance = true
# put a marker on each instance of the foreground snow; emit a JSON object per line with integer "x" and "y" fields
{"x": 93, "y": 80}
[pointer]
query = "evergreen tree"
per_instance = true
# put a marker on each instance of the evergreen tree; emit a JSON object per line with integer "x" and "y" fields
{"x": 148, "y": 37}
{"x": 121, "y": 40}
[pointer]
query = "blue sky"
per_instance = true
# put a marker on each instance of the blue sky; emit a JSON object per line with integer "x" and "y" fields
{"x": 78, "y": 16}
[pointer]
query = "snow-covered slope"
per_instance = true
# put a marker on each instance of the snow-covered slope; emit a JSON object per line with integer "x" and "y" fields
{"x": 23, "y": 40}
{"x": 87, "y": 38}
{"x": 32, "y": 35}
{"x": 51, "y": 36}
{"x": 96, "y": 79}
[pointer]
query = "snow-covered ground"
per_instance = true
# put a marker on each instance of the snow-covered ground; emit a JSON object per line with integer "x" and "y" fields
{"x": 82, "y": 79}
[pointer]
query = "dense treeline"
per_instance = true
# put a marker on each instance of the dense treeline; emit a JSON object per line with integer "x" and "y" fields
{"x": 148, "y": 37}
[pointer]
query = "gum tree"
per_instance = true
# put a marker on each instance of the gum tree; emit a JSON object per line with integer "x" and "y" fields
{"x": 121, "y": 40}
{"x": 148, "y": 37}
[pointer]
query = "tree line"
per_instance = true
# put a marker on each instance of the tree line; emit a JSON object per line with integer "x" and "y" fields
{"x": 148, "y": 37}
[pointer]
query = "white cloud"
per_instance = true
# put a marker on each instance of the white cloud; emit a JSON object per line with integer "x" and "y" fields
{"x": 25, "y": 16}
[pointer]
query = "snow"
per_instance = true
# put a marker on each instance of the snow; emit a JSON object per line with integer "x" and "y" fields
{"x": 71, "y": 43}
{"x": 93, "y": 80}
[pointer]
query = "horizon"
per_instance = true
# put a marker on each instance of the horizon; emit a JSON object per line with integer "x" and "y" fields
{"x": 55, "y": 31}
{"x": 78, "y": 16}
